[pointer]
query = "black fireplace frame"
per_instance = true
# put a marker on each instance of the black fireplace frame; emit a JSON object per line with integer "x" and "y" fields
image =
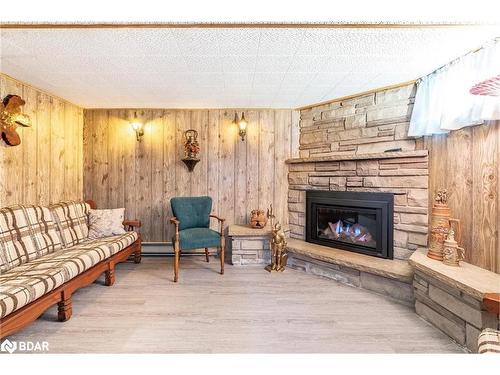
{"x": 382, "y": 205}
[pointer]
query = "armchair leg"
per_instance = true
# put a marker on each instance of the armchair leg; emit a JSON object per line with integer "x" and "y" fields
{"x": 206, "y": 254}
{"x": 176, "y": 263}
{"x": 222, "y": 259}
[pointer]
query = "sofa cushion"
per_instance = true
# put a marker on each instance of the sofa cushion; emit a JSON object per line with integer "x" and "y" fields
{"x": 197, "y": 238}
{"x": 488, "y": 341}
{"x": 71, "y": 220}
{"x": 104, "y": 223}
{"x": 28, "y": 282}
{"x": 26, "y": 233}
{"x": 192, "y": 212}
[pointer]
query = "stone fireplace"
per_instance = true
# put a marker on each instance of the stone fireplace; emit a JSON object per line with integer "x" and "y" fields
{"x": 361, "y": 145}
{"x": 402, "y": 174}
{"x": 356, "y": 221}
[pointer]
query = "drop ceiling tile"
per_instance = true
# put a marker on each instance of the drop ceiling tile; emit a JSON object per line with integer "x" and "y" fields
{"x": 197, "y": 41}
{"x": 273, "y": 63}
{"x": 208, "y": 64}
{"x": 307, "y": 63}
{"x": 298, "y": 79}
{"x": 239, "y": 41}
{"x": 280, "y": 41}
{"x": 192, "y": 67}
{"x": 242, "y": 63}
{"x": 268, "y": 79}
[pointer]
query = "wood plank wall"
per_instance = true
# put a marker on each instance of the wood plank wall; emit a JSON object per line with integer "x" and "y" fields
{"x": 47, "y": 166}
{"x": 143, "y": 176}
{"x": 467, "y": 163}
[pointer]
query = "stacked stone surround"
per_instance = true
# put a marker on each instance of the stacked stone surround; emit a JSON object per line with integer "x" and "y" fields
{"x": 248, "y": 245}
{"x": 398, "y": 290}
{"x": 405, "y": 175}
{"x": 365, "y": 124}
{"x": 343, "y": 148}
{"x": 452, "y": 311}
{"x": 451, "y": 298}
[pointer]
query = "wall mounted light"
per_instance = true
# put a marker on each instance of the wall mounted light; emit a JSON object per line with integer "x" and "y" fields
{"x": 138, "y": 127}
{"x": 242, "y": 124}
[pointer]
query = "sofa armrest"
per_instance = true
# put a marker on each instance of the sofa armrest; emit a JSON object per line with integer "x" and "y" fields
{"x": 491, "y": 302}
{"x": 131, "y": 225}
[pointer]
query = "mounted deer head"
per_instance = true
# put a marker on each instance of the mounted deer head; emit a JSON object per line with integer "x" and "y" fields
{"x": 11, "y": 117}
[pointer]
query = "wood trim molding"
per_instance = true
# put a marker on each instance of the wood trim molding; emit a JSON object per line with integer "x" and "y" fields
{"x": 229, "y": 25}
{"x": 395, "y": 86}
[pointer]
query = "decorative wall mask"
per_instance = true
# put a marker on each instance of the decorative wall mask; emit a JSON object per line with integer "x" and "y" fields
{"x": 11, "y": 117}
{"x": 258, "y": 219}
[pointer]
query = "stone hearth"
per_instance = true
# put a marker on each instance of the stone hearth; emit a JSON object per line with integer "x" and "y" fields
{"x": 403, "y": 173}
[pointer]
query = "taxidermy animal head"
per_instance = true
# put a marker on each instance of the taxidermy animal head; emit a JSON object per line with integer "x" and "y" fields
{"x": 11, "y": 117}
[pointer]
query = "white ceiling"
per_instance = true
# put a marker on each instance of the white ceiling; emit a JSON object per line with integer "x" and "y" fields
{"x": 226, "y": 67}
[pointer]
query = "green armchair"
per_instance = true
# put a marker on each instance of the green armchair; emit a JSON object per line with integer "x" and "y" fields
{"x": 192, "y": 222}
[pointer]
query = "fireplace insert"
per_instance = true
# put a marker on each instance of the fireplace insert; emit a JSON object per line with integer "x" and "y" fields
{"x": 356, "y": 221}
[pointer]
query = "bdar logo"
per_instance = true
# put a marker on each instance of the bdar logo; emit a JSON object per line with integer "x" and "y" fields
{"x": 8, "y": 346}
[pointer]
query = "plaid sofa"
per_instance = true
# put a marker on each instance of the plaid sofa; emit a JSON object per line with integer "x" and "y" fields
{"x": 42, "y": 248}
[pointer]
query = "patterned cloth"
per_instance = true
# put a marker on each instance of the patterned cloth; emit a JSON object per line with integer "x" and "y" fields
{"x": 71, "y": 220}
{"x": 26, "y": 233}
{"x": 488, "y": 341}
{"x": 28, "y": 282}
{"x": 103, "y": 223}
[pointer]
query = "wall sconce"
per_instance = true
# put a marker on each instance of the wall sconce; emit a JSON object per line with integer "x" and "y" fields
{"x": 242, "y": 124}
{"x": 138, "y": 127}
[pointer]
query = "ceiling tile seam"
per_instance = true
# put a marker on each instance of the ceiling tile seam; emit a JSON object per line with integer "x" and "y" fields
{"x": 302, "y": 40}
{"x": 255, "y": 65}
{"x": 328, "y": 93}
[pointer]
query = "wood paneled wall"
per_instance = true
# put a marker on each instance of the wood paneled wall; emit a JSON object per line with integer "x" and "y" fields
{"x": 467, "y": 163}
{"x": 47, "y": 166}
{"x": 143, "y": 176}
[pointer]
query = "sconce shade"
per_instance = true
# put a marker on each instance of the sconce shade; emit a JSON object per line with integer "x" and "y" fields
{"x": 242, "y": 125}
{"x": 138, "y": 127}
{"x": 243, "y": 122}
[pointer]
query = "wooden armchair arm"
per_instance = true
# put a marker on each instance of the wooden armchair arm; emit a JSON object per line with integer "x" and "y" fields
{"x": 173, "y": 220}
{"x": 221, "y": 221}
{"x": 130, "y": 225}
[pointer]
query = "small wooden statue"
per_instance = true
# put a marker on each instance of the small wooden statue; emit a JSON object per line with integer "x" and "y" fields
{"x": 11, "y": 117}
{"x": 279, "y": 253}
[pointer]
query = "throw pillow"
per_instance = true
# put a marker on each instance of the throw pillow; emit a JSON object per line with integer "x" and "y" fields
{"x": 104, "y": 223}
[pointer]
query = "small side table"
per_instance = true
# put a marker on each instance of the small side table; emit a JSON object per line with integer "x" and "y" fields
{"x": 249, "y": 245}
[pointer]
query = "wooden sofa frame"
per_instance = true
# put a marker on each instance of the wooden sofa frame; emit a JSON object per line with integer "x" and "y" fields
{"x": 62, "y": 295}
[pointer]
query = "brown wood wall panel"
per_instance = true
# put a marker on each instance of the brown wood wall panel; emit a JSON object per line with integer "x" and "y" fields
{"x": 466, "y": 162}
{"x": 143, "y": 176}
{"x": 47, "y": 166}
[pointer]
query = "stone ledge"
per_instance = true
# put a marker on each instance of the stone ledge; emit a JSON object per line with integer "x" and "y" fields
{"x": 367, "y": 156}
{"x": 467, "y": 278}
{"x": 393, "y": 269}
{"x": 247, "y": 231}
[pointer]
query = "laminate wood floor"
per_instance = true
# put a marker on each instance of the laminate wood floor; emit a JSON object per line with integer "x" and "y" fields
{"x": 247, "y": 310}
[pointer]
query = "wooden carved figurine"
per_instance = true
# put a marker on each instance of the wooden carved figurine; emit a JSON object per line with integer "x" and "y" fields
{"x": 258, "y": 219}
{"x": 279, "y": 253}
{"x": 11, "y": 117}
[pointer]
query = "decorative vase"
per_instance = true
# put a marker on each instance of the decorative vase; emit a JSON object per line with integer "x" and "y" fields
{"x": 191, "y": 149}
{"x": 441, "y": 223}
{"x": 452, "y": 253}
